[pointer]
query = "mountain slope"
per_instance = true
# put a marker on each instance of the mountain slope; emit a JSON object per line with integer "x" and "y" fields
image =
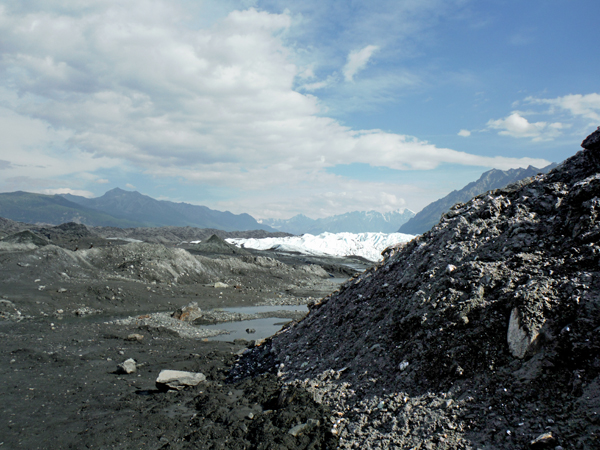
{"x": 492, "y": 179}
{"x": 352, "y": 222}
{"x": 54, "y": 209}
{"x": 156, "y": 213}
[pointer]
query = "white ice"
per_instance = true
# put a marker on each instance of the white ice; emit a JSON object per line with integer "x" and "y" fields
{"x": 367, "y": 245}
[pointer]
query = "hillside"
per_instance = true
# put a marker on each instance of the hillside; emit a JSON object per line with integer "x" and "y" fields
{"x": 157, "y": 213}
{"x": 54, "y": 209}
{"x": 481, "y": 333}
{"x": 119, "y": 208}
{"x": 492, "y": 179}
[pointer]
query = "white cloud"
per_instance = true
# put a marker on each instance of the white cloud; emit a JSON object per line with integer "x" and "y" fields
{"x": 81, "y": 193}
{"x": 464, "y": 133}
{"x": 34, "y": 155}
{"x": 357, "y": 60}
{"x": 517, "y": 126}
{"x": 585, "y": 106}
{"x": 130, "y": 186}
{"x": 115, "y": 84}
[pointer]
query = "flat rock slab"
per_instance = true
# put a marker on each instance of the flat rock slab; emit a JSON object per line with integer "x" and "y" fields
{"x": 178, "y": 379}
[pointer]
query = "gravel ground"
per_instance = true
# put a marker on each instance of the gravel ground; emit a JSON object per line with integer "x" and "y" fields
{"x": 69, "y": 318}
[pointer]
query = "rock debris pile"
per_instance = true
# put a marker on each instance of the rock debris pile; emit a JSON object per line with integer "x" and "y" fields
{"x": 482, "y": 333}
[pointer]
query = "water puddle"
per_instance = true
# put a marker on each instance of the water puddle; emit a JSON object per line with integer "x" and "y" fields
{"x": 261, "y": 328}
{"x": 265, "y": 308}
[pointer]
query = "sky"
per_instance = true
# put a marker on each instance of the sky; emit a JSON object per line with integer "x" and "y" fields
{"x": 277, "y": 107}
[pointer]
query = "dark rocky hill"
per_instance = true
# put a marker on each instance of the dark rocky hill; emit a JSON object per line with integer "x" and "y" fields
{"x": 492, "y": 179}
{"x": 482, "y": 333}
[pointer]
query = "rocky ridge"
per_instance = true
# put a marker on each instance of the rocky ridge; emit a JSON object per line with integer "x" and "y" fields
{"x": 482, "y": 333}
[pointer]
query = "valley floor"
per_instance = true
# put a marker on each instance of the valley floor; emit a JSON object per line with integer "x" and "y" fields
{"x": 60, "y": 387}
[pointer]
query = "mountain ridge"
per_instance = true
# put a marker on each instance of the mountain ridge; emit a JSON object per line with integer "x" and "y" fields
{"x": 149, "y": 212}
{"x": 425, "y": 219}
{"x": 119, "y": 208}
{"x": 350, "y": 222}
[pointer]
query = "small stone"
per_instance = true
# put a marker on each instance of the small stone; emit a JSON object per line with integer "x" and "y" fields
{"x": 450, "y": 268}
{"x": 128, "y": 366}
{"x": 299, "y": 429}
{"x": 545, "y": 440}
{"x": 403, "y": 365}
{"x": 61, "y": 290}
{"x": 135, "y": 337}
{"x": 178, "y": 379}
{"x": 219, "y": 284}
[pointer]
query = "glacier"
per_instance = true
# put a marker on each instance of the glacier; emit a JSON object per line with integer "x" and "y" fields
{"x": 366, "y": 245}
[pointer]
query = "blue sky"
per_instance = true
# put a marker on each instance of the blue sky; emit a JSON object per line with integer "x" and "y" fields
{"x": 276, "y": 108}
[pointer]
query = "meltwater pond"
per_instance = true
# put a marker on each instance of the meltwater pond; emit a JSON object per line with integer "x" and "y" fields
{"x": 263, "y": 327}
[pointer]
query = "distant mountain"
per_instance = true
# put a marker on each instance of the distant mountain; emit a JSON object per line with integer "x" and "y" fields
{"x": 53, "y": 209}
{"x": 352, "y": 222}
{"x": 425, "y": 219}
{"x": 121, "y": 209}
{"x": 149, "y": 212}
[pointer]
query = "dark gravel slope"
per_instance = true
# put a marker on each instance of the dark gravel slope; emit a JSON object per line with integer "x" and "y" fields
{"x": 482, "y": 333}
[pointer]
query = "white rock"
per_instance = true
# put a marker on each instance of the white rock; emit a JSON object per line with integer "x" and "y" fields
{"x": 519, "y": 340}
{"x": 178, "y": 379}
{"x": 127, "y": 366}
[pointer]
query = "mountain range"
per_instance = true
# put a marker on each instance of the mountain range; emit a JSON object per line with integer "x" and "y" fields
{"x": 352, "y": 222}
{"x": 119, "y": 208}
{"x": 492, "y": 179}
{"x": 130, "y": 209}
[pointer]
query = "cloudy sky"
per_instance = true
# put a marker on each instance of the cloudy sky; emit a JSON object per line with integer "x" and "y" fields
{"x": 280, "y": 107}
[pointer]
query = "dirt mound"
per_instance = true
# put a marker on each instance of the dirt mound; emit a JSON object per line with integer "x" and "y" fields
{"x": 8, "y": 226}
{"x": 483, "y": 332}
{"x": 215, "y": 244}
{"x": 25, "y": 237}
{"x": 149, "y": 262}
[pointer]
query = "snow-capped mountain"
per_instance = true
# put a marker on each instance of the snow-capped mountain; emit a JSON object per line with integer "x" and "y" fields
{"x": 352, "y": 222}
{"x": 367, "y": 245}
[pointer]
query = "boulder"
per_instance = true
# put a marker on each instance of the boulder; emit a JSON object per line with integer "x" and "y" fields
{"x": 178, "y": 379}
{"x": 520, "y": 341}
{"x": 127, "y": 366}
{"x": 188, "y": 313}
